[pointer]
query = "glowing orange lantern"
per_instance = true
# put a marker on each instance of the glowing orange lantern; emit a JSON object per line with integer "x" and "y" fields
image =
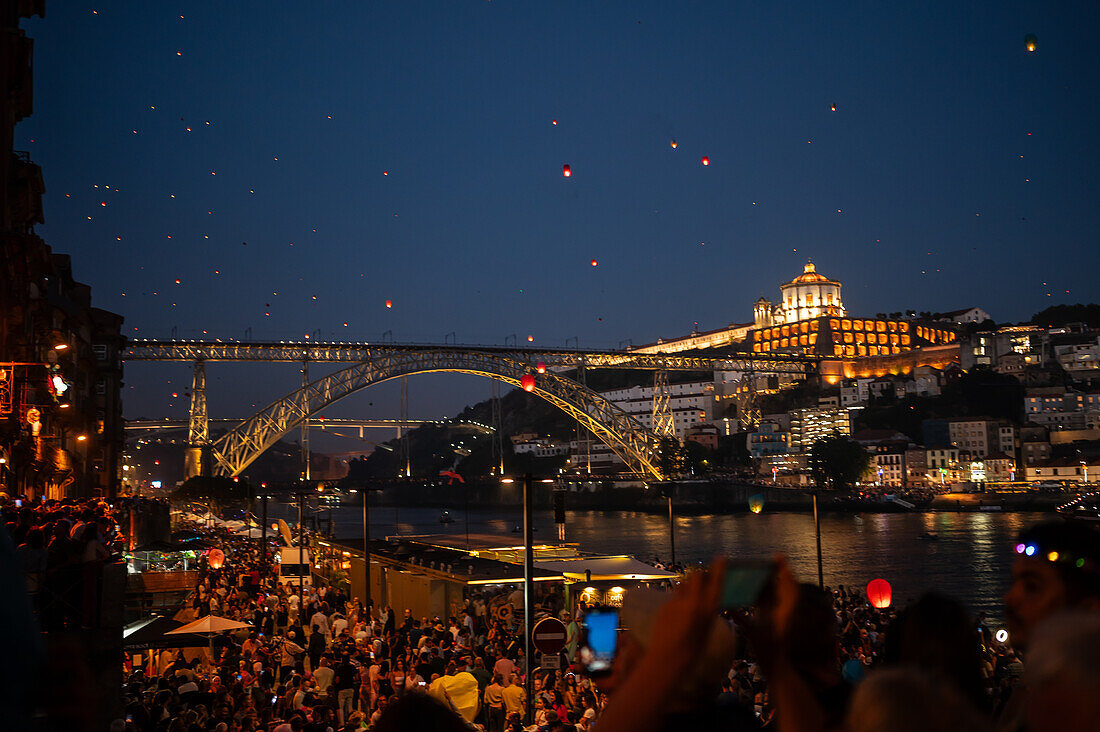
{"x": 566, "y": 171}
{"x": 706, "y": 160}
{"x": 673, "y": 143}
{"x": 594, "y": 262}
{"x": 527, "y": 382}
{"x": 1031, "y": 42}
{"x": 389, "y": 303}
{"x": 756, "y": 503}
{"x": 540, "y": 367}
{"x": 879, "y": 593}
{"x": 216, "y": 558}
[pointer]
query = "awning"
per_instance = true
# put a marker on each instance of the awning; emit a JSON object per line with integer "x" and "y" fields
{"x": 604, "y": 568}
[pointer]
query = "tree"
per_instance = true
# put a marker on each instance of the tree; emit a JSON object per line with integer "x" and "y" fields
{"x": 670, "y": 457}
{"x": 837, "y": 462}
{"x": 1062, "y": 314}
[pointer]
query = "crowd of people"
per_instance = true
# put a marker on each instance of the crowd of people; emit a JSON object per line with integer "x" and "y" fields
{"x": 317, "y": 659}
{"x": 800, "y": 659}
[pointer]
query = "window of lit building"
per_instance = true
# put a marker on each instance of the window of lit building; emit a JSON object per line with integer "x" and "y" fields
{"x": 880, "y": 326}
{"x": 847, "y": 337}
{"x": 893, "y": 339}
{"x": 829, "y": 298}
{"x": 893, "y": 326}
{"x": 786, "y": 330}
{"x": 783, "y": 343}
{"x": 756, "y": 347}
{"x": 872, "y": 350}
{"x": 813, "y": 338}
{"x": 838, "y": 350}
{"x": 849, "y": 350}
{"x": 904, "y": 327}
{"x": 859, "y": 338}
{"x": 813, "y": 326}
{"x": 834, "y": 323}
{"x": 895, "y": 349}
{"x": 857, "y": 325}
{"x": 905, "y": 340}
{"x": 861, "y": 350}
{"x": 805, "y": 328}
{"x": 845, "y": 324}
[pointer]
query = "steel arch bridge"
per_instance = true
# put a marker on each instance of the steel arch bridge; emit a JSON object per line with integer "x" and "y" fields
{"x": 637, "y": 446}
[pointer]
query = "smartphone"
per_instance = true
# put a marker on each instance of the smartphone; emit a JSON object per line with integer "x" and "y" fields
{"x": 601, "y": 637}
{"x": 18, "y": 503}
{"x": 422, "y": 683}
{"x": 744, "y": 583}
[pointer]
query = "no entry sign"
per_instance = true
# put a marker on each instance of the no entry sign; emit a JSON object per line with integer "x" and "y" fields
{"x": 548, "y": 635}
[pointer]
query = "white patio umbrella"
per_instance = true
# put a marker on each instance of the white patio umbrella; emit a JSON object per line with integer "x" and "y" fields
{"x": 209, "y": 626}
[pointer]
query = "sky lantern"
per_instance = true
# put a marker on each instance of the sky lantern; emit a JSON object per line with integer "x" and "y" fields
{"x": 530, "y": 339}
{"x": 594, "y": 262}
{"x": 527, "y": 382}
{"x": 832, "y": 107}
{"x": 879, "y": 593}
{"x": 706, "y": 160}
{"x": 1031, "y": 42}
{"x": 389, "y": 303}
{"x": 673, "y": 144}
{"x": 756, "y": 503}
{"x": 566, "y": 171}
{"x": 216, "y": 558}
{"x": 540, "y": 367}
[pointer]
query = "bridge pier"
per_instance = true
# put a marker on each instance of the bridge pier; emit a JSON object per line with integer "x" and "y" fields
{"x": 196, "y": 460}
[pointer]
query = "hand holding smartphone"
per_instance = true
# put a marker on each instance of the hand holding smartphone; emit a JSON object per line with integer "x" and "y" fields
{"x": 601, "y": 637}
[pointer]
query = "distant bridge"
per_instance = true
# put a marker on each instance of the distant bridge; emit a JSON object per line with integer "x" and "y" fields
{"x": 322, "y": 423}
{"x": 372, "y": 363}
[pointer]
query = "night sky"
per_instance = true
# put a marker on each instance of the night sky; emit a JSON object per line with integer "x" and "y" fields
{"x": 294, "y": 170}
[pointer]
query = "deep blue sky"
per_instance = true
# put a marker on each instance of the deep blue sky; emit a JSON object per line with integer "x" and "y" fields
{"x": 944, "y": 199}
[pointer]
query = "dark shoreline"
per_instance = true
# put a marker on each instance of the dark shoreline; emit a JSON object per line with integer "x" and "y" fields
{"x": 695, "y": 498}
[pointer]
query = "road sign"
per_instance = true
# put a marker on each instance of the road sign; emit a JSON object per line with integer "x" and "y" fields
{"x": 550, "y": 660}
{"x": 548, "y": 635}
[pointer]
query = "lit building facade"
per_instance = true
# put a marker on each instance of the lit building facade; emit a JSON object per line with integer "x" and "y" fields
{"x": 808, "y": 296}
{"x": 815, "y": 423}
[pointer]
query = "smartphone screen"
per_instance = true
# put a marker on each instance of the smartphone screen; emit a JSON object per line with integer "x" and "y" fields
{"x": 744, "y": 583}
{"x": 601, "y": 638}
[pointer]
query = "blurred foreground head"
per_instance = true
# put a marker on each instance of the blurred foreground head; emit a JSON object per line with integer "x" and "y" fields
{"x": 907, "y": 699}
{"x": 1063, "y": 673}
{"x": 1057, "y": 567}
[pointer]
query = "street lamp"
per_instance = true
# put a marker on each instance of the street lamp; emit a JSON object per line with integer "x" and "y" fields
{"x": 528, "y": 582}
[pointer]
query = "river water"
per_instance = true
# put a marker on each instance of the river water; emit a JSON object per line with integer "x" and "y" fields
{"x": 970, "y": 560}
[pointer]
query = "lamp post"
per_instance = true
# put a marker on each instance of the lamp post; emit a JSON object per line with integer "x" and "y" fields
{"x": 263, "y": 530}
{"x": 366, "y": 548}
{"x": 528, "y": 584}
{"x": 528, "y": 588}
{"x": 817, "y": 531}
{"x": 301, "y": 540}
{"x": 671, "y": 531}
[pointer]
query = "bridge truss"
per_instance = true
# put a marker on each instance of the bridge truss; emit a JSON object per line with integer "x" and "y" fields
{"x": 637, "y": 446}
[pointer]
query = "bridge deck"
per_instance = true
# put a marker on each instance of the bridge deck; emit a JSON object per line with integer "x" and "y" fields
{"x": 298, "y": 352}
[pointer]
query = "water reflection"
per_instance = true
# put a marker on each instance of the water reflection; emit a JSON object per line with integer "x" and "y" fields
{"x": 970, "y": 559}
